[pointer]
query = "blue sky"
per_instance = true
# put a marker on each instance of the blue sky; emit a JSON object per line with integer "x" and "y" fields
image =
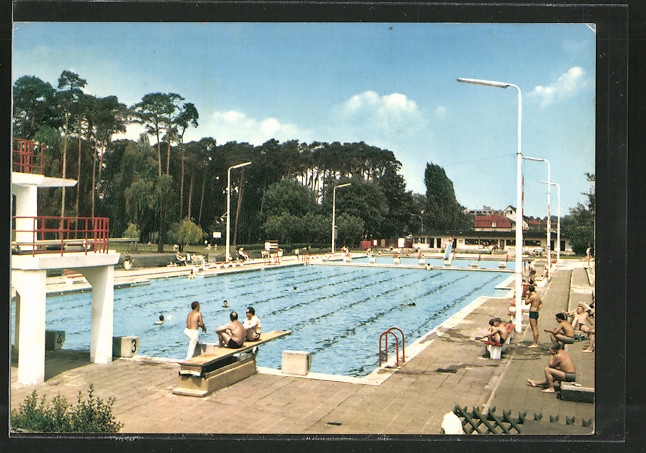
{"x": 390, "y": 85}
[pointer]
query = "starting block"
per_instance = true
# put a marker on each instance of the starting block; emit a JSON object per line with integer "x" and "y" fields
{"x": 495, "y": 350}
{"x": 54, "y": 339}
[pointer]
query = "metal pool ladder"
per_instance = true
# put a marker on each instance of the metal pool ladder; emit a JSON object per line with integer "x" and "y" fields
{"x": 391, "y": 331}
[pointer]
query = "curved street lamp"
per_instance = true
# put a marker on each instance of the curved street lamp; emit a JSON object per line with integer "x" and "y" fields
{"x": 549, "y": 215}
{"x": 334, "y": 209}
{"x": 519, "y": 197}
{"x": 558, "y": 225}
{"x": 229, "y": 201}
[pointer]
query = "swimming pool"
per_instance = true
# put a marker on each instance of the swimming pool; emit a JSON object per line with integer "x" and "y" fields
{"x": 335, "y": 312}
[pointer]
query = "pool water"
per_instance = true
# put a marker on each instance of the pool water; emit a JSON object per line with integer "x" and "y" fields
{"x": 335, "y": 312}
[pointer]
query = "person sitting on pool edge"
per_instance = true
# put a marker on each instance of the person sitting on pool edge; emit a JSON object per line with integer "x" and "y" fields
{"x": 559, "y": 368}
{"x": 231, "y": 335}
{"x": 252, "y": 325}
{"x": 567, "y": 335}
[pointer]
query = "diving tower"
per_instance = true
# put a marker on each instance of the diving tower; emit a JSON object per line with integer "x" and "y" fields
{"x": 42, "y": 243}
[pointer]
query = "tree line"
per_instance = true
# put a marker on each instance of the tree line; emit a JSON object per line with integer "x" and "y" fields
{"x": 154, "y": 190}
{"x": 162, "y": 189}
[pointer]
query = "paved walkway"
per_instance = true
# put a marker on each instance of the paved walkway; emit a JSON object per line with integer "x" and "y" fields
{"x": 449, "y": 371}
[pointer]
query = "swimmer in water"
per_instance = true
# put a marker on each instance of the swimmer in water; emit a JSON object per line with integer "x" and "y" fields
{"x": 161, "y": 320}
{"x": 225, "y": 304}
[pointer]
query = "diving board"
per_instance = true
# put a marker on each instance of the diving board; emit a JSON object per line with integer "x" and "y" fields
{"x": 205, "y": 373}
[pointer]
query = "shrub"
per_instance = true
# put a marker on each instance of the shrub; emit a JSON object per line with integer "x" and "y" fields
{"x": 132, "y": 232}
{"x": 88, "y": 416}
{"x": 186, "y": 232}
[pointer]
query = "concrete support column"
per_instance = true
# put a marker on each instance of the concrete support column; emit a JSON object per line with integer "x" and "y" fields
{"x": 26, "y": 206}
{"x": 16, "y": 327}
{"x": 102, "y": 280}
{"x": 31, "y": 339}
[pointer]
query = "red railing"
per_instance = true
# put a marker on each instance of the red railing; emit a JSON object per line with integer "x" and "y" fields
{"x": 50, "y": 234}
{"x": 24, "y": 159}
{"x": 390, "y": 331}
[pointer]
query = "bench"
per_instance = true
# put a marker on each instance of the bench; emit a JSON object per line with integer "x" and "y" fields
{"x": 198, "y": 261}
{"x": 571, "y": 392}
{"x": 205, "y": 373}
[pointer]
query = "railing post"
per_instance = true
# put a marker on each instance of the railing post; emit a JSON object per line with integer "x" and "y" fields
{"x": 403, "y": 343}
{"x": 389, "y": 331}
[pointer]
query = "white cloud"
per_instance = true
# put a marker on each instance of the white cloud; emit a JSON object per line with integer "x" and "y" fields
{"x": 269, "y": 126}
{"x": 237, "y": 126}
{"x": 133, "y": 131}
{"x": 369, "y": 114}
{"x": 568, "y": 85}
{"x": 232, "y": 126}
{"x": 440, "y": 112}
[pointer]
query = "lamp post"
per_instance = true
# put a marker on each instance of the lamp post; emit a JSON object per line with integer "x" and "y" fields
{"x": 229, "y": 201}
{"x": 422, "y": 221}
{"x": 549, "y": 217}
{"x": 519, "y": 197}
{"x": 558, "y": 224}
{"x": 334, "y": 209}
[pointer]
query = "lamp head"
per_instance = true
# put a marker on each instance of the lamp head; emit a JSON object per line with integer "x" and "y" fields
{"x": 241, "y": 165}
{"x": 488, "y": 83}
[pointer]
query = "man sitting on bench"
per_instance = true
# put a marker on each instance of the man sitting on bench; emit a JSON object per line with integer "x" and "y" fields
{"x": 231, "y": 335}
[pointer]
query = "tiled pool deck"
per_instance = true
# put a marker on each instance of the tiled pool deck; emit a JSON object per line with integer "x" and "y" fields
{"x": 449, "y": 370}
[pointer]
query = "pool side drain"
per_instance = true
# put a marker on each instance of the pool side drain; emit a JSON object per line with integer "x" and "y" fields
{"x": 446, "y": 370}
{"x": 334, "y": 423}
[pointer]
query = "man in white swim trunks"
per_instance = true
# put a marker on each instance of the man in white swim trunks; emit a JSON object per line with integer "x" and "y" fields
{"x": 193, "y": 322}
{"x": 252, "y": 325}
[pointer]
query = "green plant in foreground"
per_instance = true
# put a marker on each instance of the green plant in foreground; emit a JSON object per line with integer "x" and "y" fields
{"x": 89, "y": 416}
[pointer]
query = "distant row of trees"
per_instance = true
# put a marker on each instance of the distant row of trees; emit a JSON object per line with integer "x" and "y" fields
{"x": 579, "y": 225}
{"x": 170, "y": 190}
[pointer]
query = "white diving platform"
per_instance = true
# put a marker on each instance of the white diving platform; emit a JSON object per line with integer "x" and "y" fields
{"x": 29, "y": 278}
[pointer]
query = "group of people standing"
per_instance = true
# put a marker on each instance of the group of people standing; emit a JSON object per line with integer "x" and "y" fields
{"x": 231, "y": 335}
